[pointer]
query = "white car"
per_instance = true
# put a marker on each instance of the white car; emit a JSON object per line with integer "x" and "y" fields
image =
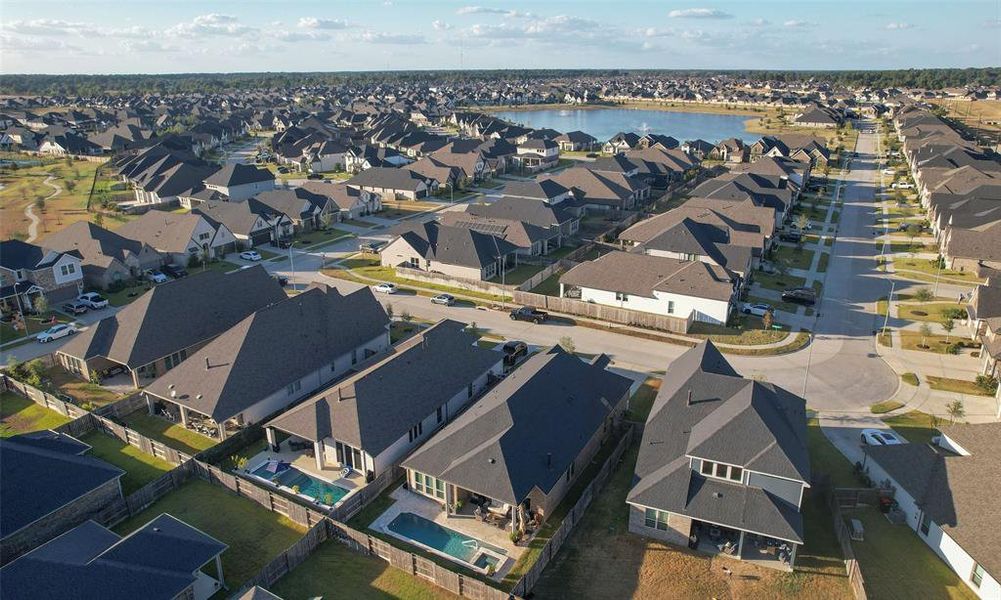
{"x": 156, "y": 276}
{"x": 93, "y": 300}
{"x": 879, "y": 437}
{"x": 251, "y": 255}
{"x": 55, "y": 332}
{"x": 757, "y": 310}
{"x": 889, "y": 171}
{"x": 386, "y": 288}
{"x": 902, "y": 185}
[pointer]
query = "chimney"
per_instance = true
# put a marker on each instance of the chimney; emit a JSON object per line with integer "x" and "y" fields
{"x": 689, "y": 397}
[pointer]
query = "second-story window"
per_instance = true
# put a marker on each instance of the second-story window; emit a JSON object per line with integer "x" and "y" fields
{"x": 721, "y": 471}
{"x": 293, "y": 387}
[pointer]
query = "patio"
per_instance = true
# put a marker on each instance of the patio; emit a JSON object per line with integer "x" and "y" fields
{"x": 748, "y": 547}
{"x": 304, "y": 460}
{"x": 410, "y": 502}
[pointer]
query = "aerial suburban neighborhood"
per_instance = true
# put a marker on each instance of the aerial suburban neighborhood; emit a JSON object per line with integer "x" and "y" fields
{"x": 586, "y": 322}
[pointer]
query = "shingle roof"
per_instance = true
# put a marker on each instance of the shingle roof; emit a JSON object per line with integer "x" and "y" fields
{"x": 373, "y": 409}
{"x": 164, "y": 231}
{"x": 176, "y": 315}
{"x": 37, "y": 478}
{"x": 95, "y": 244}
{"x": 455, "y": 245}
{"x": 706, "y": 410}
{"x": 389, "y": 178}
{"x": 271, "y": 348}
{"x": 525, "y": 432}
{"x": 234, "y": 174}
{"x": 157, "y": 561}
{"x": 15, "y": 254}
{"x": 642, "y": 275}
{"x": 545, "y": 189}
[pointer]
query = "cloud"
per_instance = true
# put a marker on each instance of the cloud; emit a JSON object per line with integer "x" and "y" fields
{"x": 487, "y": 10}
{"x": 698, "y": 13}
{"x": 759, "y": 22}
{"x": 210, "y": 24}
{"x": 898, "y": 26}
{"x": 316, "y": 23}
{"x": 18, "y": 44}
{"x": 378, "y": 37}
{"x": 147, "y": 46}
{"x": 796, "y": 23}
{"x": 440, "y": 25}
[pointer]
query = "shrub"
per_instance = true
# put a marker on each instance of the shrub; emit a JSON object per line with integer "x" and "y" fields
{"x": 954, "y": 348}
{"x": 953, "y": 313}
{"x": 987, "y": 383}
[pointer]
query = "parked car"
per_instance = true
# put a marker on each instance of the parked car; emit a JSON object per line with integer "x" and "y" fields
{"x": 175, "y": 271}
{"x": 902, "y": 185}
{"x": 758, "y": 310}
{"x": 527, "y": 313}
{"x": 512, "y": 350}
{"x": 75, "y": 307}
{"x": 805, "y": 296}
{"x": 879, "y": 437}
{"x": 155, "y": 276}
{"x": 282, "y": 280}
{"x": 314, "y": 176}
{"x": 889, "y": 171}
{"x": 55, "y": 332}
{"x": 93, "y": 300}
{"x": 386, "y": 288}
{"x": 251, "y": 255}
{"x": 790, "y": 236}
{"x": 443, "y": 299}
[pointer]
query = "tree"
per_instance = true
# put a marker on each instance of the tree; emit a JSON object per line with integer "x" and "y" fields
{"x": 956, "y": 410}
{"x": 767, "y": 320}
{"x": 925, "y": 334}
{"x": 912, "y": 234}
{"x": 70, "y": 185}
{"x": 566, "y": 342}
{"x": 389, "y": 311}
{"x": 99, "y": 219}
{"x": 924, "y": 295}
{"x": 948, "y": 325}
{"x": 41, "y": 304}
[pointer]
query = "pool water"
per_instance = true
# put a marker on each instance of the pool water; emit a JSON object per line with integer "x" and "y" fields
{"x": 451, "y": 542}
{"x": 319, "y": 490}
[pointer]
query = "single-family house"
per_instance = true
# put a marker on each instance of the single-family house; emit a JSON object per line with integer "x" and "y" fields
{"x": 460, "y": 252}
{"x": 723, "y": 464}
{"x": 535, "y": 155}
{"x": 28, "y": 272}
{"x": 180, "y": 238}
{"x": 252, "y": 223}
{"x": 394, "y": 183}
{"x": 621, "y": 142}
{"x": 238, "y": 181}
{"x": 576, "y": 141}
{"x": 108, "y": 258}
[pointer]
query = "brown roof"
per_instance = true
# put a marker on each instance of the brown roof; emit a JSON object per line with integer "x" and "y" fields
{"x": 641, "y": 275}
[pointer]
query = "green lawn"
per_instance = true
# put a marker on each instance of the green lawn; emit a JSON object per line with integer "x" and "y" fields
{"x": 886, "y": 406}
{"x": 20, "y": 415}
{"x": 826, "y": 459}
{"x": 749, "y": 332}
{"x": 794, "y": 257}
{"x": 35, "y": 324}
{"x": 362, "y": 268}
{"x": 162, "y": 430}
{"x": 642, "y": 400}
{"x": 916, "y": 426}
{"x": 373, "y": 509}
{"x": 255, "y": 536}
{"x": 317, "y": 238}
{"x": 921, "y": 575}
{"x": 519, "y": 274}
{"x": 550, "y": 286}
{"x": 777, "y": 282}
{"x": 334, "y": 571}
{"x": 930, "y": 311}
{"x": 125, "y": 295}
{"x": 85, "y": 393}
{"x": 140, "y": 468}
{"x": 788, "y": 307}
{"x": 822, "y": 264}
{"x": 930, "y": 267}
{"x": 938, "y": 344}
{"x": 910, "y": 379}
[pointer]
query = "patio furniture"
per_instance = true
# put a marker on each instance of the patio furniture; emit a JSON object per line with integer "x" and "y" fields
{"x": 857, "y": 531}
{"x": 346, "y": 472}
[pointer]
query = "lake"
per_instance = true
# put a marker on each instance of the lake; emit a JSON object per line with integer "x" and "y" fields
{"x": 603, "y": 123}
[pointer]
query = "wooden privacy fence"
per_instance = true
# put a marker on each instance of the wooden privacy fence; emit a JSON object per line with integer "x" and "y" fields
{"x": 292, "y": 557}
{"x": 852, "y": 497}
{"x": 134, "y": 438}
{"x": 844, "y": 538}
{"x": 529, "y": 579}
{"x": 357, "y": 501}
{"x": 601, "y": 312}
{"x": 67, "y": 409}
{"x": 145, "y": 496}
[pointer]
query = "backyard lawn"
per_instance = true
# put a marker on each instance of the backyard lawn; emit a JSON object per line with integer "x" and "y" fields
{"x": 642, "y": 400}
{"x": 140, "y": 468}
{"x": 601, "y": 559}
{"x": 334, "y": 571}
{"x": 520, "y": 274}
{"x": 20, "y": 415}
{"x": 174, "y": 435}
{"x": 921, "y": 575}
{"x": 254, "y": 535}
{"x": 550, "y": 286}
{"x": 777, "y": 282}
{"x": 793, "y": 257}
{"x": 84, "y": 392}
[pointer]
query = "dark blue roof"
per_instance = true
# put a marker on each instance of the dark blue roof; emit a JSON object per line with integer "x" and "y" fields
{"x": 37, "y": 480}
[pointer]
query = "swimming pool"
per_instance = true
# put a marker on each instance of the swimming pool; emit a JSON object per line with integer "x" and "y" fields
{"x": 459, "y": 546}
{"x": 288, "y": 477}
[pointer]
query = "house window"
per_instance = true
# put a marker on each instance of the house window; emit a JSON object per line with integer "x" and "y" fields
{"x": 68, "y": 269}
{"x": 670, "y": 307}
{"x": 707, "y": 467}
{"x": 203, "y": 236}
{"x": 293, "y": 387}
{"x": 416, "y": 431}
{"x": 622, "y": 296}
{"x": 925, "y": 523}
{"x": 655, "y": 519}
{"x": 721, "y": 471}
{"x": 174, "y": 359}
{"x": 977, "y": 576}
{"x": 429, "y": 486}
{"x": 736, "y": 473}
{"x": 441, "y": 414}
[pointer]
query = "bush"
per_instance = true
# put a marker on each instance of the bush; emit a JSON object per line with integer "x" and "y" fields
{"x": 953, "y": 313}
{"x": 954, "y": 348}
{"x": 987, "y": 383}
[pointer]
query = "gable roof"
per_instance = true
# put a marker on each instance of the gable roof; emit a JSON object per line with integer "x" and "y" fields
{"x": 38, "y": 477}
{"x": 373, "y": 409}
{"x": 234, "y": 174}
{"x": 95, "y": 244}
{"x": 642, "y": 275}
{"x": 15, "y": 255}
{"x": 271, "y": 348}
{"x": 400, "y": 178}
{"x": 525, "y": 432}
{"x": 706, "y": 410}
{"x": 164, "y": 231}
{"x": 175, "y": 315}
{"x": 156, "y": 561}
{"x": 454, "y": 245}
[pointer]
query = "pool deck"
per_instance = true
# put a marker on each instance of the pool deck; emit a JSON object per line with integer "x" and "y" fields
{"x": 409, "y": 502}
{"x": 307, "y": 465}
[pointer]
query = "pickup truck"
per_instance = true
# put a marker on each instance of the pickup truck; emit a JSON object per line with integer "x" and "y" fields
{"x": 527, "y": 313}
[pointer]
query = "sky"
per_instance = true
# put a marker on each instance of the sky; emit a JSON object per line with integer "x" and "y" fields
{"x": 183, "y": 36}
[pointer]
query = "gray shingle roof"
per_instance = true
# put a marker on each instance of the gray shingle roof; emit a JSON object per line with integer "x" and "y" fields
{"x": 706, "y": 410}
{"x": 271, "y": 348}
{"x": 175, "y": 315}
{"x": 642, "y": 275}
{"x": 373, "y": 409}
{"x": 234, "y": 174}
{"x": 525, "y": 432}
{"x": 455, "y": 245}
{"x": 166, "y": 232}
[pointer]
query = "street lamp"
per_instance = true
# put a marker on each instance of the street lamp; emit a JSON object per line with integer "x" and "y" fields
{"x": 889, "y": 302}
{"x": 291, "y": 260}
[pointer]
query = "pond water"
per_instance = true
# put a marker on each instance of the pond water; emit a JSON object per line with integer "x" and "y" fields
{"x": 603, "y": 123}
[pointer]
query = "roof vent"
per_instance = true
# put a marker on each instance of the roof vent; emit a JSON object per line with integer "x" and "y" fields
{"x": 549, "y": 459}
{"x": 198, "y": 397}
{"x": 173, "y": 393}
{"x": 491, "y": 460}
{"x": 156, "y": 529}
{"x": 717, "y": 495}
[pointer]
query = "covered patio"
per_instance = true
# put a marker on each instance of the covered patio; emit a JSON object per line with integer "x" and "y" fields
{"x": 190, "y": 419}
{"x": 755, "y": 548}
